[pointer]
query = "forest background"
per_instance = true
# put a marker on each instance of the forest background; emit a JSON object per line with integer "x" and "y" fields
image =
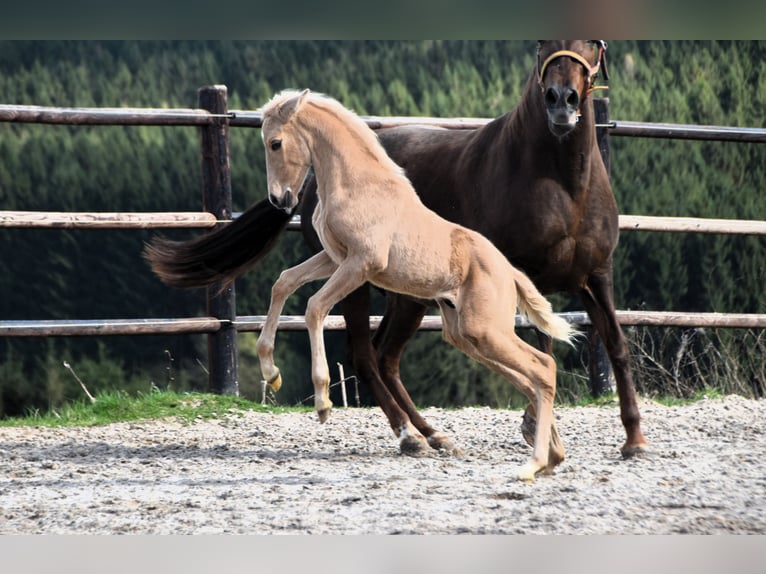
{"x": 78, "y": 274}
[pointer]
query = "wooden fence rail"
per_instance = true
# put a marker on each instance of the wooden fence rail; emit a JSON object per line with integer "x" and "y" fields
{"x": 214, "y": 119}
{"x": 253, "y": 323}
{"x": 107, "y": 220}
{"x": 205, "y": 220}
{"x": 254, "y": 119}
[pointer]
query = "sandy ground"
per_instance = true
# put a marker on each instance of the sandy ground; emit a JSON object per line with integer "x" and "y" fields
{"x": 251, "y": 473}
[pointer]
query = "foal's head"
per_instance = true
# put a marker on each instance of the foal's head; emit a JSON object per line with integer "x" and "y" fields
{"x": 288, "y": 156}
{"x": 566, "y": 72}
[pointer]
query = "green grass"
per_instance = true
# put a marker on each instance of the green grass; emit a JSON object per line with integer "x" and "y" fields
{"x": 587, "y": 400}
{"x": 608, "y": 399}
{"x": 700, "y": 395}
{"x": 119, "y": 407}
{"x": 188, "y": 407}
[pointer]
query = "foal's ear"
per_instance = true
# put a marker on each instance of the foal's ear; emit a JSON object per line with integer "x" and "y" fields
{"x": 293, "y": 104}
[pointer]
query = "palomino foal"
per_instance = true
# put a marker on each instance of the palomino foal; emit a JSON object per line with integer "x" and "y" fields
{"x": 373, "y": 227}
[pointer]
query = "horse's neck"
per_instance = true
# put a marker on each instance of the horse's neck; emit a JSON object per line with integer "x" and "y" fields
{"x": 332, "y": 168}
{"x": 579, "y": 153}
{"x": 341, "y": 164}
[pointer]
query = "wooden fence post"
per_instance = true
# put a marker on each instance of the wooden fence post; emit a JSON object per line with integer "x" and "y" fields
{"x": 599, "y": 369}
{"x": 216, "y": 198}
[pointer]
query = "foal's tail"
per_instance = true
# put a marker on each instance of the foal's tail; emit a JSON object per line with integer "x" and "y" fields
{"x": 534, "y": 305}
{"x": 221, "y": 255}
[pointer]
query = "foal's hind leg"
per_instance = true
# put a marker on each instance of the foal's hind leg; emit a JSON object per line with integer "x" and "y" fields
{"x": 556, "y": 451}
{"x": 317, "y": 267}
{"x": 529, "y": 420}
{"x": 545, "y": 344}
{"x": 534, "y": 374}
{"x": 484, "y": 337}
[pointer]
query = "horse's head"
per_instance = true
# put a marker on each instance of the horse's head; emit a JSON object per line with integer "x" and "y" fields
{"x": 288, "y": 156}
{"x": 566, "y": 72}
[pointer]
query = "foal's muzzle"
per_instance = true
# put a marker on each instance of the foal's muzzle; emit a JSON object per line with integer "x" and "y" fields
{"x": 287, "y": 202}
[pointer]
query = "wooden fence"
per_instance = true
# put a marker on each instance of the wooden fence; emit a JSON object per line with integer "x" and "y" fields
{"x": 214, "y": 119}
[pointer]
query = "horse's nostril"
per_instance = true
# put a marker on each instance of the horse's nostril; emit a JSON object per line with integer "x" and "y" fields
{"x": 573, "y": 98}
{"x": 561, "y": 97}
{"x": 551, "y": 97}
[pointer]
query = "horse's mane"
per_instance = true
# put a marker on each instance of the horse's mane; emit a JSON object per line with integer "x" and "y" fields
{"x": 367, "y": 137}
{"x": 278, "y": 99}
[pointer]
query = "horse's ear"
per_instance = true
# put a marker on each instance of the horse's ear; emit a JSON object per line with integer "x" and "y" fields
{"x": 293, "y": 104}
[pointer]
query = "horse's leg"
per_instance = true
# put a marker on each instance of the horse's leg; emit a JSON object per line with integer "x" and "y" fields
{"x": 598, "y": 298}
{"x": 489, "y": 338}
{"x": 317, "y": 267}
{"x": 402, "y": 320}
{"x": 356, "y": 310}
{"x": 534, "y": 374}
{"x": 347, "y": 277}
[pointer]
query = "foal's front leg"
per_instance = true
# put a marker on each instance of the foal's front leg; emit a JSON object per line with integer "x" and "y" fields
{"x": 317, "y": 267}
{"x": 346, "y": 278}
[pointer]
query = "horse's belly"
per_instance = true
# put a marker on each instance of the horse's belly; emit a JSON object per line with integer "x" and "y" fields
{"x": 417, "y": 276}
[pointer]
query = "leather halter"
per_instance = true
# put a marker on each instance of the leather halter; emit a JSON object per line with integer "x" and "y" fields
{"x": 591, "y": 70}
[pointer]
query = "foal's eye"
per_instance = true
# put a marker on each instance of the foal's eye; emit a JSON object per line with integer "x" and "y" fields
{"x": 276, "y": 144}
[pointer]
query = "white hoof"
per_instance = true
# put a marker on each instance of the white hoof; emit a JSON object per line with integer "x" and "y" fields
{"x": 528, "y": 472}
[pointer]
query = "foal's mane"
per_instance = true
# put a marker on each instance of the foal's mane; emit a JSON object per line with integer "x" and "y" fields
{"x": 356, "y": 126}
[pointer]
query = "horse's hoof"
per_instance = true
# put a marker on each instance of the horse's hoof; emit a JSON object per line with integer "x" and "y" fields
{"x": 636, "y": 450}
{"x": 528, "y": 428}
{"x": 324, "y": 414}
{"x": 275, "y": 383}
{"x": 441, "y": 442}
{"x": 413, "y": 446}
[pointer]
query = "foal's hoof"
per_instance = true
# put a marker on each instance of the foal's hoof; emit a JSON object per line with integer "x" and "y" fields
{"x": 528, "y": 472}
{"x": 275, "y": 383}
{"x": 554, "y": 459}
{"x": 324, "y": 414}
{"x": 441, "y": 442}
{"x": 414, "y": 446}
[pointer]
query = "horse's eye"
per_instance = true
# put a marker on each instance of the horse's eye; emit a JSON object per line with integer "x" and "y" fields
{"x": 276, "y": 144}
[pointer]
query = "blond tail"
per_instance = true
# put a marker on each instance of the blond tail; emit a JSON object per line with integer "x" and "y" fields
{"x": 534, "y": 305}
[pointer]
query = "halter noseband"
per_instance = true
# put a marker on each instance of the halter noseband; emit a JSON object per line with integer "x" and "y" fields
{"x": 592, "y": 71}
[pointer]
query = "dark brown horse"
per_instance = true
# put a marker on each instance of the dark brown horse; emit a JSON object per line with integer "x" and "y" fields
{"x": 532, "y": 181}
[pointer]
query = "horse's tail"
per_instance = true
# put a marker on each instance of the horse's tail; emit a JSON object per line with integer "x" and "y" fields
{"x": 221, "y": 255}
{"x": 534, "y": 305}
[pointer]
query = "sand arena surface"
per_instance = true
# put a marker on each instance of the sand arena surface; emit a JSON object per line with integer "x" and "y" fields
{"x": 251, "y": 473}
